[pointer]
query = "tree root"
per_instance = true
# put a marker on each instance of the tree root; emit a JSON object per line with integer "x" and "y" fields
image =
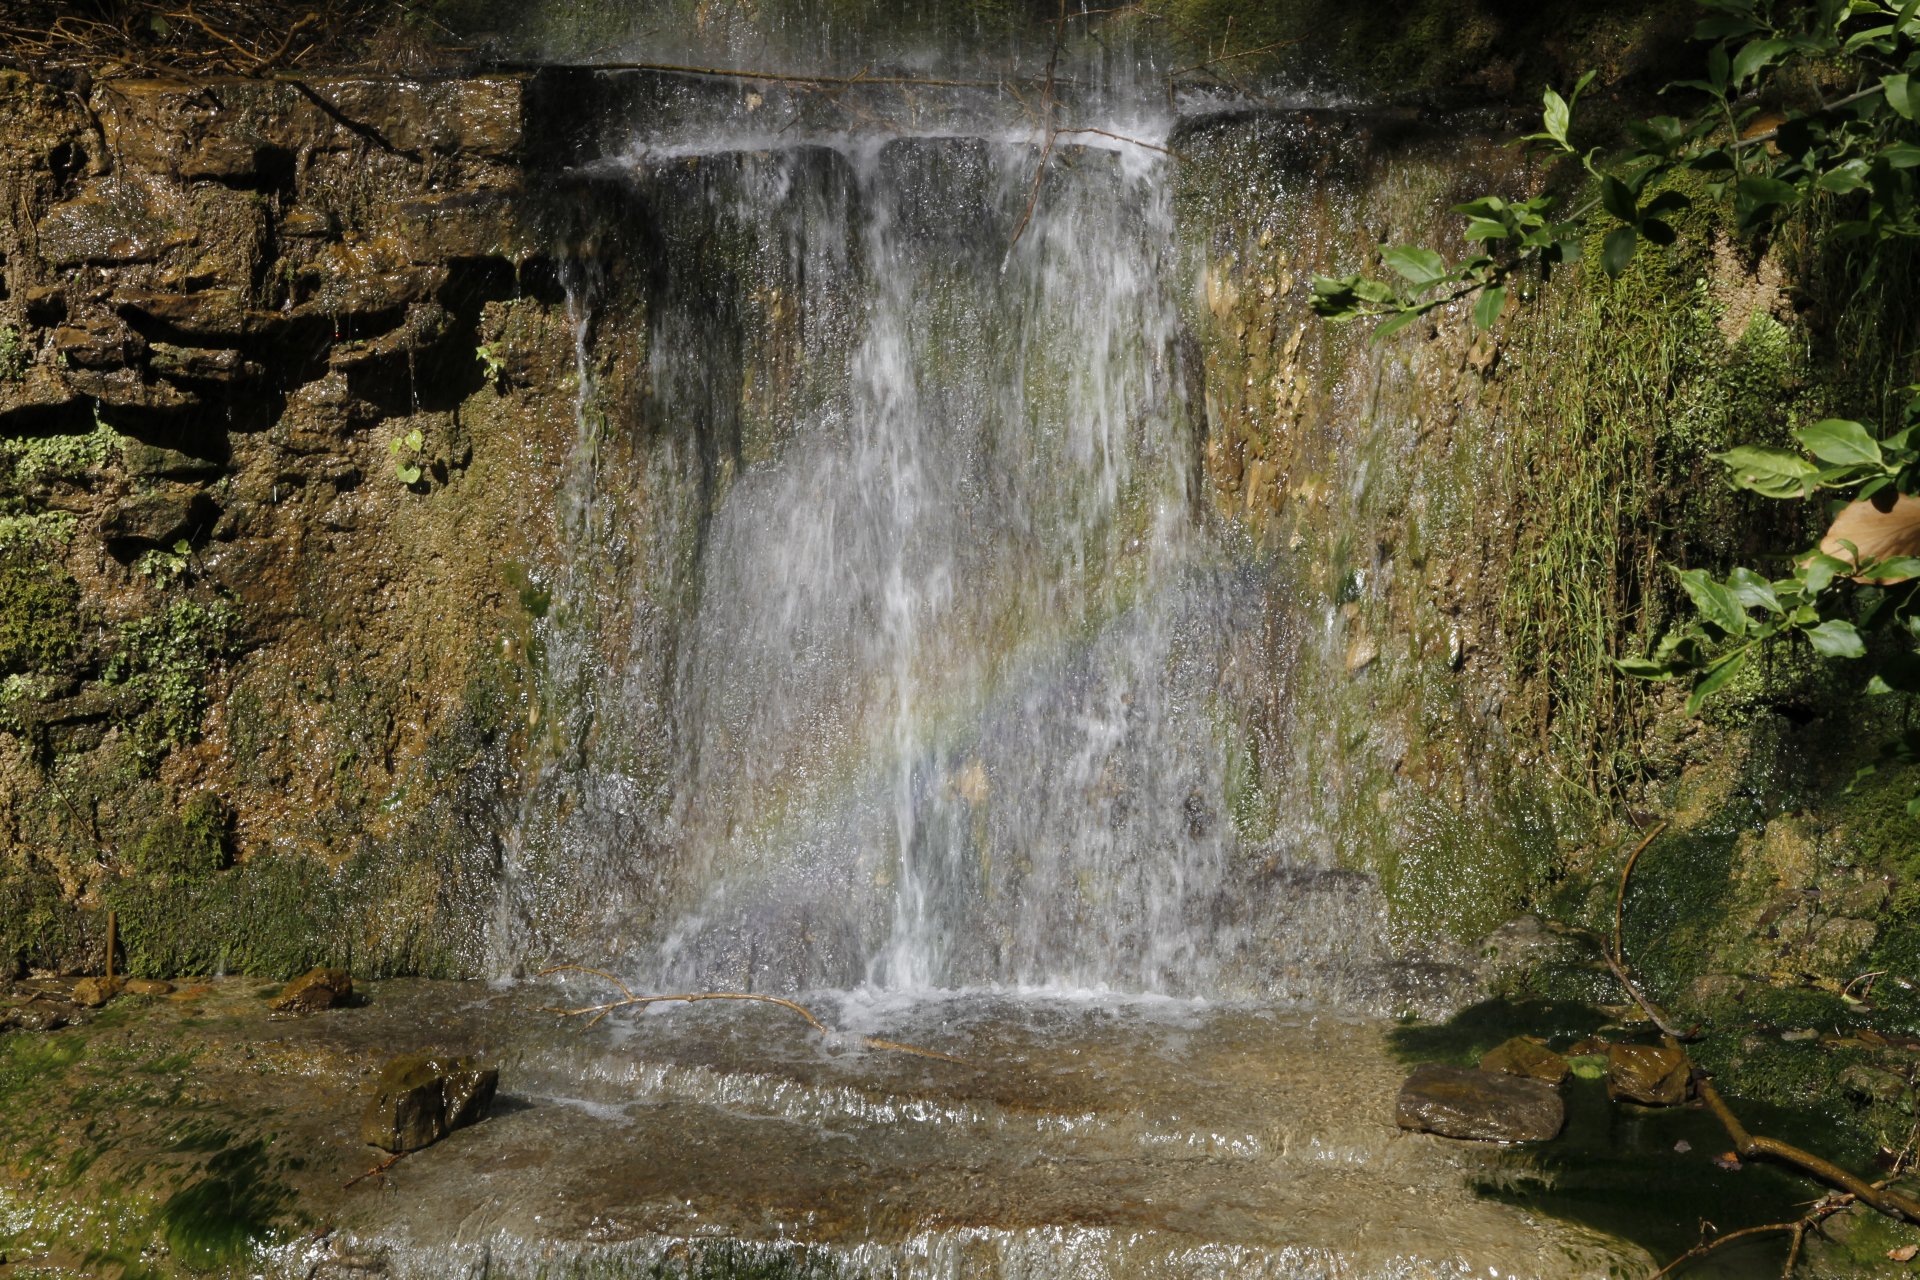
{"x": 1750, "y": 1145}
{"x": 628, "y": 999}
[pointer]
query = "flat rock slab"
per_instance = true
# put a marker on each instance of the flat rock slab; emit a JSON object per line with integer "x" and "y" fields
{"x": 1096, "y": 1139}
{"x": 1491, "y": 1106}
{"x": 1521, "y": 1056}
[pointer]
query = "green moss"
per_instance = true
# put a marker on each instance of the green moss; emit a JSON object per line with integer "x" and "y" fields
{"x": 38, "y": 460}
{"x": 40, "y": 621}
{"x": 167, "y": 659}
{"x": 15, "y": 356}
{"x": 193, "y": 842}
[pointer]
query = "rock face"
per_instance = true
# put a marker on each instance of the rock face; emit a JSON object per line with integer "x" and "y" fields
{"x": 219, "y": 308}
{"x": 423, "y": 1097}
{"x": 1648, "y": 1073}
{"x": 1521, "y": 1056}
{"x": 314, "y": 990}
{"x": 1458, "y": 1102}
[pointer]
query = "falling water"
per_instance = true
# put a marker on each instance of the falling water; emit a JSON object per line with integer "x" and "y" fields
{"x": 937, "y": 683}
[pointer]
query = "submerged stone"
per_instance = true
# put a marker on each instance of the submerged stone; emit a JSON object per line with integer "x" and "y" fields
{"x": 1521, "y": 1056}
{"x": 1649, "y": 1073}
{"x": 149, "y": 987}
{"x": 423, "y": 1097}
{"x": 1460, "y": 1102}
{"x": 316, "y": 989}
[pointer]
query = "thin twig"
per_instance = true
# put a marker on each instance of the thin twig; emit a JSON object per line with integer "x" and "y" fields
{"x": 377, "y": 1170}
{"x": 1620, "y": 899}
{"x": 630, "y": 1000}
{"x": 1046, "y": 115}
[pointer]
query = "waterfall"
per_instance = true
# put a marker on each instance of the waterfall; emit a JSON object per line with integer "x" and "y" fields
{"x": 944, "y": 678}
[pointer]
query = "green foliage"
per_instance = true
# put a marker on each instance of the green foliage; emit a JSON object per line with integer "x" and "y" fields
{"x": 491, "y": 363}
{"x": 15, "y": 355}
{"x": 1803, "y": 109}
{"x": 166, "y": 658}
{"x": 36, "y": 460}
{"x": 409, "y": 462}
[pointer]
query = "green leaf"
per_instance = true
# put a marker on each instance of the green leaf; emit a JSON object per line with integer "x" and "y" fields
{"x": 415, "y": 439}
{"x": 1421, "y": 268}
{"x": 1618, "y": 199}
{"x": 1492, "y": 301}
{"x": 1850, "y": 176}
{"x": 1836, "y": 638}
{"x": 1819, "y": 570}
{"x": 1715, "y": 678}
{"x": 1556, "y": 117}
{"x": 1840, "y": 442}
{"x": 1393, "y": 324}
{"x": 408, "y": 473}
{"x": 1486, "y": 229}
{"x": 1757, "y": 55}
{"x": 1900, "y": 95}
{"x": 1752, "y": 590}
{"x": 1715, "y": 601}
{"x": 1774, "y": 473}
{"x": 1643, "y": 668}
{"x": 1895, "y": 569}
{"x": 1718, "y": 66}
{"x": 1616, "y": 251}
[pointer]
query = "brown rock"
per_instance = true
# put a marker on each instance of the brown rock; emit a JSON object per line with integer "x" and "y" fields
{"x": 1521, "y": 1056}
{"x": 314, "y": 990}
{"x": 422, "y": 1097}
{"x": 148, "y": 987}
{"x": 1458, "y": 1102}
{"x": 1649, "y": 1073}
{"x": 91, "y": 993}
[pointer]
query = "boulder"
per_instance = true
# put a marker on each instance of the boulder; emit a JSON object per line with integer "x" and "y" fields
{"x": 1649, "y": 1073}
{"x": 148, "y": 987}
{"x": 1521, "y": 1056}
{"x": 314, "y": 990}
{"x": 91, "y": 993}
{"x": 422, "y": 1097}
{"x": 1459, "y": 1102}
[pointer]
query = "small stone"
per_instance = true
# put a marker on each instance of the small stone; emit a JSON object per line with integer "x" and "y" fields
{"x": 91, "y": 993}
{"x": 1648, "y": 1073}
{"x": 314, "y": 990}
{"x": 148, "y": 987}
{"x": 1683, "y": 1146}
{"x": 423, "y": 1097}
{"x": 1458, "y": 1102}
{"x": 1521, "y": 1056}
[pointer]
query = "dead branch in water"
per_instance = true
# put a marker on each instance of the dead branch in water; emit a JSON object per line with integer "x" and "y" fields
{"x": 378, "y": 1169}
{"x": 629, "y": 999}
{"x": 1876, "y": 1195}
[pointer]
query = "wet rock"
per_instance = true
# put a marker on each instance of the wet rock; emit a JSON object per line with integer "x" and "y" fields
{"x": 423, "y": 1097}
{"x": 45, "y": 305}
{"x": 207, "y": 313}
{"x": 153, "y": 462}
{"x": 148, "y": 987}
{"x": 1458, "y": 1102}
{"x": 102, "y": 342}
{"x": 37, "y": 1015}
{"x": 159, "y": 518}
{"x": 91, "y": 993}
{"x": 116, "y": 226}
{"x": 1648, "y": 1073}
{"x": 314, "y": 990}
{"x": 1521, "y": 1056}
{"x": 201, "y": 364}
